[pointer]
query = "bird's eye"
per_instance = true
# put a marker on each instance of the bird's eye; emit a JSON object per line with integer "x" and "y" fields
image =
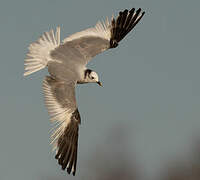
{"x": 92, "y": 77}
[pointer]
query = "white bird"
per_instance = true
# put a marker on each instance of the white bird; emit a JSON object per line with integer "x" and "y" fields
{"x": 66, "y": 62}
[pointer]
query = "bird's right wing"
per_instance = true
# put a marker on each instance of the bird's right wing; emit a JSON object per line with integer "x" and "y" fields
{"x": 81, "y": 47}
{"x": 61, "y": 104}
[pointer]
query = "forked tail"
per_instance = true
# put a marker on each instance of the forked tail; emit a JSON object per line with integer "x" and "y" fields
{"x": 39, "y": 52}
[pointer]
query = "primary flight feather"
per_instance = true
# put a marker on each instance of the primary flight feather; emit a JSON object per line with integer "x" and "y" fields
{"x": 66, "y": 62}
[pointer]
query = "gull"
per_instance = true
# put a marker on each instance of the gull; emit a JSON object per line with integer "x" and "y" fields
{"x": 66, "y": 62}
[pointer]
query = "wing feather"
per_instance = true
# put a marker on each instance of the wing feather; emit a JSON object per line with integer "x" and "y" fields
{"x": 124, "y": 23}
{"x": 101, "y": 30}
{"x": 38, "y": 55}
{"x": 61, "y": 104}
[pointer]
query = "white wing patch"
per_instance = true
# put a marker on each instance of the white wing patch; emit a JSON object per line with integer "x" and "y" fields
{"x": 102, "y": 29}
{"x": 38, "y": 55}
{"x": 59, "y": 115}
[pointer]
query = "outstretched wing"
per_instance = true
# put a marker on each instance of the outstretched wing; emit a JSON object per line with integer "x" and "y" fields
{"x": 69, "y": 57}
{"x": 82, "y": 46}
{"x": 61, "y": 104}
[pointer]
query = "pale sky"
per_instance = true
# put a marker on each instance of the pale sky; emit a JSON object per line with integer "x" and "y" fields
{"x": 151, "y": 85}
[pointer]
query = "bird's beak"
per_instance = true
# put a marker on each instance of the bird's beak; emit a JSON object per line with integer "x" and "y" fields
{"x": 99, "y": 83}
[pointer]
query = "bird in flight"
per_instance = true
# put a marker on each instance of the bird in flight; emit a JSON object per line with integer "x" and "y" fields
{"x": 66, "y": 62}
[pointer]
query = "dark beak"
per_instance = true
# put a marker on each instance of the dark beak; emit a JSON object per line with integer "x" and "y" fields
{"x": 99, "y": 83}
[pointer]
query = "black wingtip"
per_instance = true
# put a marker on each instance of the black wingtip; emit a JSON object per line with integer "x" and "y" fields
{"x": 56, "y": 156}
{"x": 68, "y": 170}
{"x": 132, "y": 10}
{"x": 123, "y": 24}
{"x": 126, "y": 10}
{"x": 68, "y": 145}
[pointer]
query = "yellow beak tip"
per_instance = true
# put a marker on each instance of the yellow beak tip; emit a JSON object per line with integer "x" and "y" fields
{"x": 99, "y": 83}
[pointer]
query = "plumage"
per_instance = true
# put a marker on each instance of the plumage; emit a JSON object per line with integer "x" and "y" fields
{"x": 66, "y": 62}
{"x": 68, "y": 144}
{"x": 124, "y": 23}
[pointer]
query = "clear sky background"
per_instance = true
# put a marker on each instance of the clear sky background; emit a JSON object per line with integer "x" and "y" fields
{"x": 151, "y": 85}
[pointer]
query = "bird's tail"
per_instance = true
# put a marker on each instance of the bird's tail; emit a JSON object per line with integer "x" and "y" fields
{"x": 39, "y": 51}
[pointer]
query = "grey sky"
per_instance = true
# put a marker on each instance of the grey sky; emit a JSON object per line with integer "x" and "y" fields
{"x": 151, "y": 84}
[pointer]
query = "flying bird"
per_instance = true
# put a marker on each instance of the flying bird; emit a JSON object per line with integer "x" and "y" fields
{"x": 66, "y": 62}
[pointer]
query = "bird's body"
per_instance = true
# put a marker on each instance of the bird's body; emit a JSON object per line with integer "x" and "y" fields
{"x": 66, "y": 63}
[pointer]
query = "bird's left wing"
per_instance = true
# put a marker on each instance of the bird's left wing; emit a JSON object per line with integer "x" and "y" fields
{"x": 84, "y": 45}
{"x": 61, "y": 104}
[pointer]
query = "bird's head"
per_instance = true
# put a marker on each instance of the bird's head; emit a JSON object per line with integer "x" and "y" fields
{"x": 92, "y": 76}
